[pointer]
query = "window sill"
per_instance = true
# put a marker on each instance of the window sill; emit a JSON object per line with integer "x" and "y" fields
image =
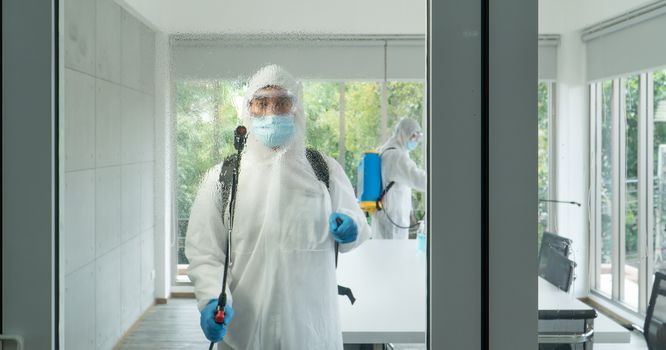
{"x": 617, "y": 313}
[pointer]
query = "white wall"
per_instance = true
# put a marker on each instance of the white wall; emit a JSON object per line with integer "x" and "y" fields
{"x": 572, "y": 148}
{"x": 107, "y": 221}
{"x": 164, "y": 168}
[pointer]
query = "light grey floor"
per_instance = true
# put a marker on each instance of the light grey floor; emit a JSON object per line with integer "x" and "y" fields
{"x": 637, "y": 343}
{"x": 170, "y": 326}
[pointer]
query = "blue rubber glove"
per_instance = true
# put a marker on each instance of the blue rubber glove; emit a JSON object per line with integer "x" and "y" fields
{"x": 215, "y": 332}
{"x": 346, "y": 231}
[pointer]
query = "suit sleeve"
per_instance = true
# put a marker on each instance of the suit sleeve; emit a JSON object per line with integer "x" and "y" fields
{"x": 343, "y": 200}
{"x": 406, "y": 172}
{"x": 205, "y": 242}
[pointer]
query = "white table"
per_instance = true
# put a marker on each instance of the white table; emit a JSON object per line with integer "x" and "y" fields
{"x": 605, "y": 329}
{"x": 388, "y": 278}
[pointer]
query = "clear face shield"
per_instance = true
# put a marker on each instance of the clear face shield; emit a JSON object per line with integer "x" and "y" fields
{"x": 272, "y": 111}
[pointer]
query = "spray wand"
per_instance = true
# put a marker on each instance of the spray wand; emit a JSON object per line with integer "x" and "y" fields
{"x": 240, "y": 136}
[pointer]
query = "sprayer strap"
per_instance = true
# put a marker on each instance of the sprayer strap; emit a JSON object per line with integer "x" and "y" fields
{"x": 388, "y": 187}
{"x": 388, "y": 149}
{"x": 226, "y": 179}
{"x": 346, "y": 292}
{"x": 384, "y": 191}
{"x": 319, "y": 166}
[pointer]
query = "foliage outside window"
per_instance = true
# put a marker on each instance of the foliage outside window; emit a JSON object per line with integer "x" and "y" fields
{"x": 543, "y": 170}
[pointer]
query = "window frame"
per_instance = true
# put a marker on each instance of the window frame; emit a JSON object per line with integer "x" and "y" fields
{"x": 645, "y": 188}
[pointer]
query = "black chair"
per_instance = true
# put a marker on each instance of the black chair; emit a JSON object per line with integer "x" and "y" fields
{"x": 654, "y": 329}
{"x": 558, "y": 243}
{"x": 554, "y": 264}
{"x": 556, "y": 269}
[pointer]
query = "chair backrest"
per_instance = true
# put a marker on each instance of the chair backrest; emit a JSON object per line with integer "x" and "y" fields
{"x": 655, "y": 320}
{"x": 560, "y": 244}
{"x": 554, "y": 264}
{"x": 556, "y": 268}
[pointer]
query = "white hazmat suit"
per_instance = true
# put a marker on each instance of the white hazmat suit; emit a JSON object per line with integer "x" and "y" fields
{"x": 282, "y": 276}
{"x": 398, "y": 167}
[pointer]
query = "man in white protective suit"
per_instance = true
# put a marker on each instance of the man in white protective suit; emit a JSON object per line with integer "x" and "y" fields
{"x": 392, "y": 222}
{"x": 287, "y": 223}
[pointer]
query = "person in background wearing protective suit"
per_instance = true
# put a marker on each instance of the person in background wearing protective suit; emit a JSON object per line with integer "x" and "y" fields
{"x": 392, "y": 221}
{"x": 282, "y": 279}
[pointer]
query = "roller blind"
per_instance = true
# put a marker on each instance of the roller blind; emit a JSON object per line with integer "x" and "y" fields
{"x": 305, "y": 59}
{"x": 406, "y": 60}
{"x": 547, "y": 57}
{"x": 627, "y": 44}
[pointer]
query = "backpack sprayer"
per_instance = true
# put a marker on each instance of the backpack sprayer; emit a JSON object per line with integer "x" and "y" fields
{"x": 240, "y": 136}
{"x": 369, "y": 185}
{"x": 369, "y": 182}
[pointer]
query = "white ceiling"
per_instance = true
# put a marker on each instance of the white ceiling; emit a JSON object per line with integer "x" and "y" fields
{"x": 284, "y": 16}
{"x": 561, "y": 16}
{"x": 343, "y": 16}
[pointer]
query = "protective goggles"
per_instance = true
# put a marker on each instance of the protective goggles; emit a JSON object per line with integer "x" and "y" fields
{"x": 271, "y": 101}
{"x": 417, "y": 136}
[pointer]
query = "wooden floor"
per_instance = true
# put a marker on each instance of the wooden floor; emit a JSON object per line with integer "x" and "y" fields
{"x": 174, "y": 325}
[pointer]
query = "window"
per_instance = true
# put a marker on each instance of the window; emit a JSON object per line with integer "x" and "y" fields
{"x": 657, "y": 110}
{"x": 627, "y": 176}
{"x": 629, "y": 95}
{"x": 607, "y": 191}
{"x": 205, "y": 120}
{"x": 362, "y": 118}
{"x": 546, "y": 159}
{"x": 343, "y": 120}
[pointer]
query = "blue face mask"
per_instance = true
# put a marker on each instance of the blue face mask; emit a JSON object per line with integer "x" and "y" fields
{"x": 273, "y": 130}
{"x": 411, "y": 145}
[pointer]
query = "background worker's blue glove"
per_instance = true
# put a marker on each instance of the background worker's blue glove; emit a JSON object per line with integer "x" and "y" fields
{"x": 215, "y": 332}
{"x": 343, "y": 228}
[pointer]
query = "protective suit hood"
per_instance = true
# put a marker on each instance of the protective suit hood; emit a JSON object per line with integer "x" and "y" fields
{"x": 275, "y": 76}
{"x": 403, "y": 131}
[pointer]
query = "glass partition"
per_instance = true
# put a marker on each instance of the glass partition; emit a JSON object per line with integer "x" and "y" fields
{"x": 211, "y": 161}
